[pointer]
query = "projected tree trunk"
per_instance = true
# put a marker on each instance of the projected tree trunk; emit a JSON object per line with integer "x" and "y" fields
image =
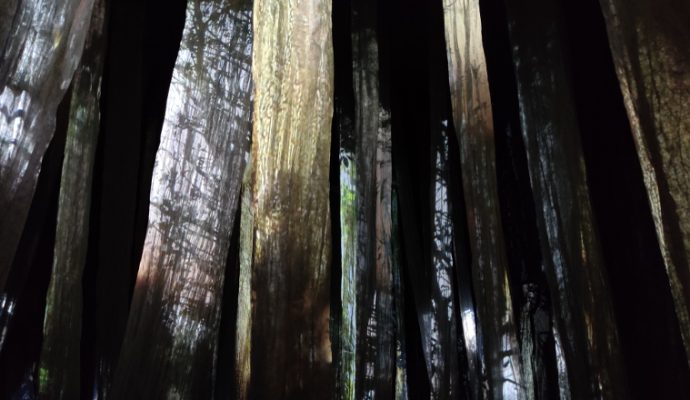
{"x": 649, "y": 41}
{"x": 469, "y": 89}
{"x": 40, "y": 54}
{"x": 171, "y": 338}
{"x": 583, "y": 314}
{"x": 59, "y": 373}
{"x": 353, "y": 199}
{"x": 367, "y": 320}
{"x": 290, "y": 240}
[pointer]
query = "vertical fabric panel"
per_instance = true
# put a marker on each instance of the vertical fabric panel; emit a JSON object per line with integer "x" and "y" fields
{"x": 442, "y": 323}
{"x": 473, "y": 119}
{"x": 290, "y": 233}
{"x": 401, "y": 378}
{"x": 584, "y": 322}
{"x": 367, "y": 339}
{"x": 170, "y": 342}
{"x": 649, "y": 41}
{"x": 421, "y": 141}
{"x": 59, "y": 372}
{"x": 40, "y": 55}
{"x": 112, "y": 260}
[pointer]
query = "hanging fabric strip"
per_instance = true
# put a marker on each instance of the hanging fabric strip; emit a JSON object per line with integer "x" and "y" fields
{"x": 7, "y": 12}
{"x": 401, "y": 379}
{"x": 474, "y": 124}
{"x": 585, "y": 325}
{"x": 442, "y": 323}
{"x": 41, "y": 51}
{"x": 649, "y": 41}
{"x": 290, "y": 233}
{"x": 421, "y": 143}
{"x": 59, "y": 371}
{"x": 367, "y": 339}
{"x": 170, "y": 343}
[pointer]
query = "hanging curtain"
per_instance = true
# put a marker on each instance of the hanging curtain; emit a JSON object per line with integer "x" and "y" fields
{"x": 39, "y": 56}
{"x": 59, "y": 370}
{"x": 352, "y": 200}
{"x": 469, "y": 91}
{"x": 290, "y": 234}
{"x": 170, "y": 343}
{"x": 649, "y": 42}
{"x": 367, "y": 326}
{"x": 585, "y": 325}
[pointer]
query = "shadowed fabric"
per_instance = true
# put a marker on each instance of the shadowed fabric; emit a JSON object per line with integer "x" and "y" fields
{"x": 40, "y": 55}
{"x": 584, "y": 322}
{"x": 353, "y": 199}
{"x": 112, "y": 262}
{"x": 59, "y": 370}
{"x": 441, "y": 339}
{"x": 367, "y": 320}
{"x": 472, "y": 114}
{"x": 7, "y": 12}
{"x": 401, "y": 378}
{"x": 649, "y": 41}
{"x": 422, "y": 134}
{"x": 243, "y": 331}
{"x": 290, "y": 239}
{"x": 171, "y": 338}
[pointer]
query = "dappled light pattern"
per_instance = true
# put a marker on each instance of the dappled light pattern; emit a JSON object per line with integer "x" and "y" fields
{"x": 367, "y": 321}
{"x": 39, "y": 57}
{"x": 290, "y": 233}
{"x": 472, "y": 114}
{"x": 441, "y": 323}
{"x": 351, "y": 200}
{"x": 169, "y": 346}
{"x": 573, "y": 264}
{"x": 649, "y": 41}
{"x": 59, "y": 371}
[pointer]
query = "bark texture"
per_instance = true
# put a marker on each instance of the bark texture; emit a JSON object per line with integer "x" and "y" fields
{"x": 290, "y": 239}
{"x": 584, "y": 322}
{"x": 649, "y": 41}
{"x": 41, "y": 51}
{"x": 469, "y": 89}
{"x": 170, "y": 343}
{"x": 59, "y": 373}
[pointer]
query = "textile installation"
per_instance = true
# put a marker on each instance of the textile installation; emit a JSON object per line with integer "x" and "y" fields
{"x": 344, "y": 199}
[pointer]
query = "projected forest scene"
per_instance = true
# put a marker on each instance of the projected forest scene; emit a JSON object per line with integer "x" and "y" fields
{"x": 344, "y": 199}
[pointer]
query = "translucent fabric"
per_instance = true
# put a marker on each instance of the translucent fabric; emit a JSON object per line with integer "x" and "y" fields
{"x": 649, "y": 41}
{"x": 289, "y": 239}
{"x": 441, "y": 327}
{"x": 171, "y": 337}
{"x": 585, "y": 326}
{"x": 59, "y": 372}
{"x": 40, "y": 53}
{"x": 472, "y": 114}
{"x": 367, "y": 321}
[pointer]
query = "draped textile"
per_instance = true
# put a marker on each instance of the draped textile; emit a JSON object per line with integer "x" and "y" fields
{"x": 584, "y": 322}
{"x": 290, "y": 234}
{"x": 39, "y": 56}
{"x": 649, "y": 41}
{"x": 170, "y": 343}
{"x": 59, "y": 372}
{"x": 469, "y": 90}
{"x": 367, "y": 320}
